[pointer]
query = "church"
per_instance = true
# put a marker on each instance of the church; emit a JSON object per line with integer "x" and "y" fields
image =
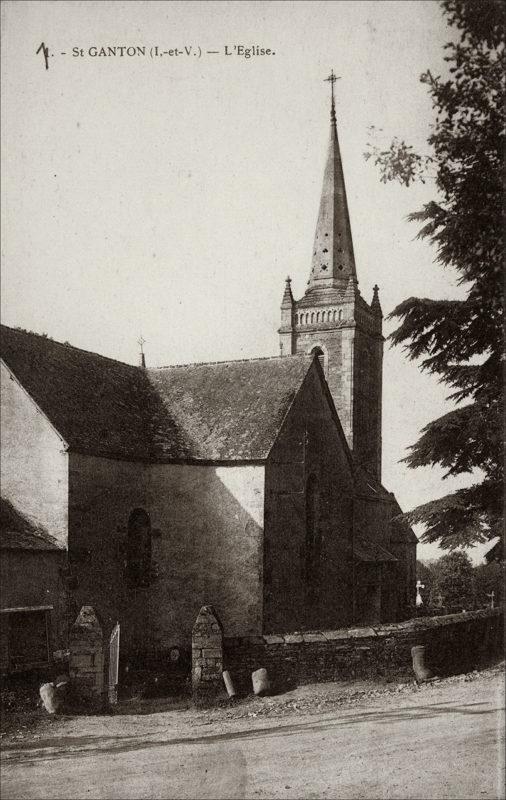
{"x": 253, "y": 486}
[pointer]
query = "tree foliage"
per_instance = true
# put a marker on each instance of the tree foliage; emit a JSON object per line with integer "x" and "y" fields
{"x": 453, "y": 581}
{"x": 488, "y": 578}
{"x": 460, "y": 341}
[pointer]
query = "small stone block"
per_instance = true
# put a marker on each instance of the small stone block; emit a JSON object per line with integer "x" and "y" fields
{"x": 339, "y": 634}
{"x": 273, "y": 639}
{"x": 293, "y": 638}
{"x": 313, "y": 637}
{"x": 360, "y": 633}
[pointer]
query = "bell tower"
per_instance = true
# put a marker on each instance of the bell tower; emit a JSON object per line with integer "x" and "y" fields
{"x": 334, "y": 321}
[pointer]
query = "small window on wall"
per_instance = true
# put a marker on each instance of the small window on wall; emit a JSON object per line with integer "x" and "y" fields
{"x": 138, "y": 566}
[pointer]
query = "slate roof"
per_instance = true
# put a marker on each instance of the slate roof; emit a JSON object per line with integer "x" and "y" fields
{"x": 401, "y": 529}
{"x": 367, "y": 484}
{"x": 365, "y": 550}
{"x": 495, "y": 553}
{"x": 226, "y": 411}
{"x": 96, "y": 404}
{"x": 231, "y": 410}
{"x": 17, "y": 532}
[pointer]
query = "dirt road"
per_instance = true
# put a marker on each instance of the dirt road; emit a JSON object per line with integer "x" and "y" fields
{"x": 443, "y": 741}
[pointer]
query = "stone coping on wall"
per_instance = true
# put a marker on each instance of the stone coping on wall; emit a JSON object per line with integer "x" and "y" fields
{"x": 372, "y": 631}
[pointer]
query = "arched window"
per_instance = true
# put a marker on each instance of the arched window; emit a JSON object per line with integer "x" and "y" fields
{"x": 340, "y": 315}
{"x": 138, "y": 565}
{"x": 317, "y": 316}
{"x": 334, "y": 316}
{"x": 323, "y": 316}
{"x": 312, "y": 317}
{"x": 307, "y": 319}
{"x": 313, "y": 537}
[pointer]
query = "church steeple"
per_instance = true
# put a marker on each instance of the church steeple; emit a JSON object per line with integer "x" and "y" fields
{"x": 333, "y": 261}
{"x": 333, "y": 320}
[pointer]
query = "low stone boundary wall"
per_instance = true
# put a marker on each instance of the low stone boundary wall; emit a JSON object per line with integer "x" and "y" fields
{"x": 454, "y": 643}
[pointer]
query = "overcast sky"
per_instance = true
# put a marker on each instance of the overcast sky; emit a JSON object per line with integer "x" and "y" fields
{"x": 171, "y": 195}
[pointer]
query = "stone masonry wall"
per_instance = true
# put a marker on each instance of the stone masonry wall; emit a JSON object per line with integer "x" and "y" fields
{"x": 207, "y": 529}
{"x": 309, "y": 446}
{"x": 87, "y": 654}
{"x": 455, "y": 643}
{"x": 207, "y": 651}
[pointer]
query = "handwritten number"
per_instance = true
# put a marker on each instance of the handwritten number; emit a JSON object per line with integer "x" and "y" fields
{"x": 45, "y": 51}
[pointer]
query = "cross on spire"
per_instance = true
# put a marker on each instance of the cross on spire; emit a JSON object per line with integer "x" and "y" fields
{"x": 332, "y": 79}
{"x": 142, "y": 358}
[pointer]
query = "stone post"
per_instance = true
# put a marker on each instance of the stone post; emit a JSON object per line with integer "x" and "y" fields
{"x": 86, "y": 646}
{"x": 207, "y": 652}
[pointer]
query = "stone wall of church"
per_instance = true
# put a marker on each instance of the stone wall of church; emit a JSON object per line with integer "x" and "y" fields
{"x": 337, "y": 346}
{"x": 299, "y": 594}
{"x": 206, "y": 547}
{"x": 209, "y": 548}
{"x": 102, "y": 494}
{"x": 373, "y": 521}
{"x": 402, "y": 578}
{"x": 367, "y": 383}
{"x": 372, "y": 518}
{"x": 34, "y": 464}
{"x": 353, "y": 369}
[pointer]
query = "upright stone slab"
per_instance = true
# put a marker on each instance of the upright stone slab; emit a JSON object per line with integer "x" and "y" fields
{"x": 87, "y": 654}
{"x": 207, "y": 652}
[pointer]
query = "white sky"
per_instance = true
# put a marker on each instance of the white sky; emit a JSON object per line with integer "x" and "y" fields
{"x": 172, "y": 196}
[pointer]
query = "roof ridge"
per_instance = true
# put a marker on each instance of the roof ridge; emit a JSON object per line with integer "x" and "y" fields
{"x": 68, "y": 345}
{"x": 229, "y": 361}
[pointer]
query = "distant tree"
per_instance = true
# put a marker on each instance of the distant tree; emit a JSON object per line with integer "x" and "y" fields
{"x": 460, "y": 341}
{"x": 489, "y": 578}
{"x": 453, "y": 581}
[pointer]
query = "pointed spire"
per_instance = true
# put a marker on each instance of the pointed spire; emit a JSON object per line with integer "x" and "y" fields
{"x": 333, "y": 259}
{"x": 287, "y": 295}
{"x": 375, "y": 304}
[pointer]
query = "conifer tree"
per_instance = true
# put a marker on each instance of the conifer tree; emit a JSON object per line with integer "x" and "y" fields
{"x": 461, "y": 341}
